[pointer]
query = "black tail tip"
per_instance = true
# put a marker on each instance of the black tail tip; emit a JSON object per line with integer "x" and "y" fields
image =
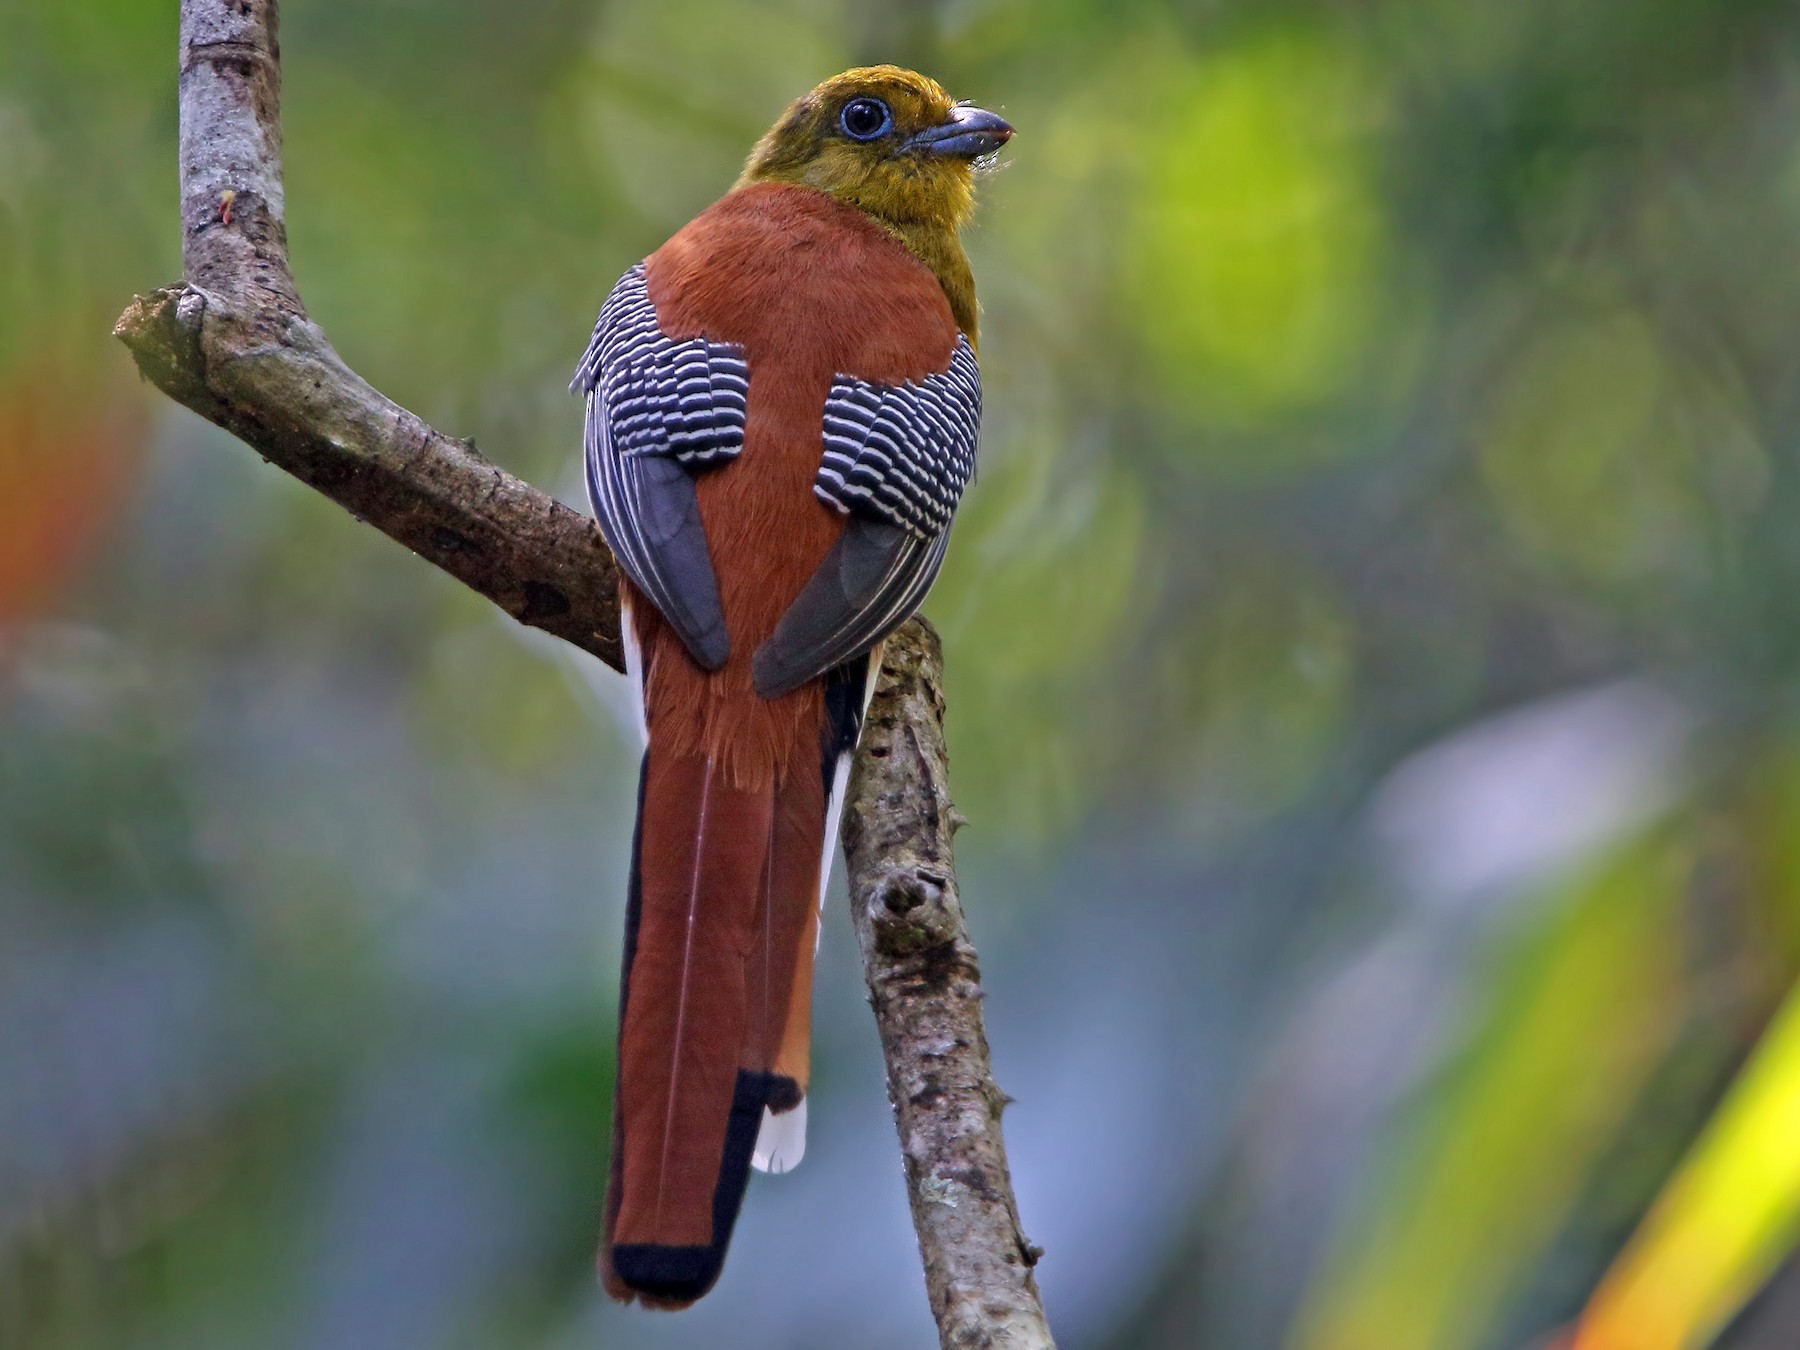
{"x": 664, "y": 1277}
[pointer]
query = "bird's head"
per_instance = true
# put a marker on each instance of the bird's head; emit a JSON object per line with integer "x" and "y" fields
{"x": 887, "y": 140}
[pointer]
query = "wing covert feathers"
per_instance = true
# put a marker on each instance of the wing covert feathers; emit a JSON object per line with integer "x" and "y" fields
{"x": 903, "y": 453}
{"x": 658, "y": 409}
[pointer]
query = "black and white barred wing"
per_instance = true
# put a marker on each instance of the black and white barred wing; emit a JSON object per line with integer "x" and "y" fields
{"x": 903, "y": 453}
{"x": 657, "y": 410}
{"x": 897, "y": 458}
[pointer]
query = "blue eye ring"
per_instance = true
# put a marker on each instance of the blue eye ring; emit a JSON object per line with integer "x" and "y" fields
{"x": 866, "y": 119}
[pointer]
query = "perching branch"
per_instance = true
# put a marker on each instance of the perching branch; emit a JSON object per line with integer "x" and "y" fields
{"x": 234, "y": 344}
{"x": 925, "y": 986}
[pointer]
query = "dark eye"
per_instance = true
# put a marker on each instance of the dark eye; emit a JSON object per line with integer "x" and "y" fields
{"x": 863, "y": 119}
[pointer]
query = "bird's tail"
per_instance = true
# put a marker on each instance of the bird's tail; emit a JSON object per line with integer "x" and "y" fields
{"x": 716, "y": 997}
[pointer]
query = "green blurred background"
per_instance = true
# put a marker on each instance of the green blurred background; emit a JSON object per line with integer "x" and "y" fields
{"x": 1373, "y": 643}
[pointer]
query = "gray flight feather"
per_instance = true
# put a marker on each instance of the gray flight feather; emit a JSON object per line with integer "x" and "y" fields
{"x": 657, "y": 410}
{"x": 871, "y": 582}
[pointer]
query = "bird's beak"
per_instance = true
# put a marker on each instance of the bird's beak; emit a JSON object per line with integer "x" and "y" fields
{"x": 969, "y": 133}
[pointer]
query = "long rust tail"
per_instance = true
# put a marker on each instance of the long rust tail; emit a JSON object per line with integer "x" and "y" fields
{"x": 715, "y": 1007}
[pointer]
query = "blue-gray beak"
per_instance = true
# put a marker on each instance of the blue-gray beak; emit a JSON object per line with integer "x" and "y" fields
{"x": 969, "y": 133}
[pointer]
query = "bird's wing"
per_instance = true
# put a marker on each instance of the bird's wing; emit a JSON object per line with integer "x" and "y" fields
{"x": 903, "y": 453}
{"x": 657, "y": 411}
{"x": 897, "y": 458}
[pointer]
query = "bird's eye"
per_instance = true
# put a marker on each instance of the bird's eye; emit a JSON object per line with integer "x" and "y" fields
{"x": 863, "y": 119}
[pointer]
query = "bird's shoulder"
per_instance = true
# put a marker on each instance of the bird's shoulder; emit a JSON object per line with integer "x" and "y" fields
{"x": 795, "y": 277}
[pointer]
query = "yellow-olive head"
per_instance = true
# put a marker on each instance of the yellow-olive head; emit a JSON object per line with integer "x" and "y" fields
{"x": 884, "y": 139}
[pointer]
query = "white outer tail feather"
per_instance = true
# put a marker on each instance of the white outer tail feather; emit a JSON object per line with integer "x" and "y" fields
{"x": 781, "y": 1140}
{"x": 634, "y": 667}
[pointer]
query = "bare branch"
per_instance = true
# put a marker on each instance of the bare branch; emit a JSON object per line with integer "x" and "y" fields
{"x": 273, "y": 380}
{"x": 234, "y": 344}
{"x": 925, "y": 986}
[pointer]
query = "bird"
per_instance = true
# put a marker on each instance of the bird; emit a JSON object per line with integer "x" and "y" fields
{"x": 782, "y": 409}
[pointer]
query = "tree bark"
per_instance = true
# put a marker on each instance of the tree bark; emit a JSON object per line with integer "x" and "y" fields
{"x": 233, "y": 343}
{"x": 925, "y": 986}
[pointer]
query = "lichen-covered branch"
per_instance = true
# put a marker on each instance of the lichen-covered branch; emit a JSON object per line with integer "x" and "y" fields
{"x": 234, "y": 343}
{"x": 925, "y": 986}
